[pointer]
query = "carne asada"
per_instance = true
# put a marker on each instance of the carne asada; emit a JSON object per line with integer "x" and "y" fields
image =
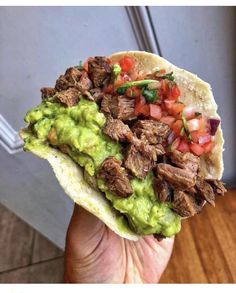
{"x": 141, "y": 157}
{"x": 146, "y": 134}
{"x": 153, "y": 132}
{"x": 185, "y": 204}
{"x": 178, "y": 178}
{"x": 115, "y": 177}
{"x": 99, "y": 71}
{"x": 117, "y": 130}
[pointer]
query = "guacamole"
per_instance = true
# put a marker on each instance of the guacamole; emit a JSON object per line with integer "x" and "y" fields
{"x": 79, "y": 128}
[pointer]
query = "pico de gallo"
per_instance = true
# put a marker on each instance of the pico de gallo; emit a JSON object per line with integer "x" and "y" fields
{"x": 159, "y": 99}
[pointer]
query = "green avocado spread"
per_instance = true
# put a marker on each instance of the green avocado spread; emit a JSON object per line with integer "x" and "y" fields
{"x": 79, "y": 130}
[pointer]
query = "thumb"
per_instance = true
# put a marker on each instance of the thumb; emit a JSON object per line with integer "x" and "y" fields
{"x": 84, "y": 233}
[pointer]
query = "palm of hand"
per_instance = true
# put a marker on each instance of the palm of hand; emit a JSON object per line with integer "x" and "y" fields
{"x": 95, "y": 254}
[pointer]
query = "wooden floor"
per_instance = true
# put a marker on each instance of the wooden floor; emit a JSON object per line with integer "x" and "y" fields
{"x": 25, "y": 255}
{"x": 205, "y": 249}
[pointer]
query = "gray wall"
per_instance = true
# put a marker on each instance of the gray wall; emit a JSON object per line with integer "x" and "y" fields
{"x": 203, "y": 40}
{"x": 39, "y": 43}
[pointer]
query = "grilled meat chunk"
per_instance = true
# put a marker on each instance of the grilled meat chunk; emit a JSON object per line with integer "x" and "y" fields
{"x": 117, "y": 130}
{"x": 69, "y": 97}
{"x": 115, "y": 177}
{"x": 99, "y": 71}
{"x": 84, "y": 84}
{"x": 162, "y": 190}
{"x": 140, "y": 157}
{"x": 107, "y": 104}
{"x": 153, "y": 132}
{"x": 179, "y": 179}
{"x": 97, "y": 94}
{"x": 185, "y": 161}
{"x": 204, "y": 190}
{"x": 185, "y": 204}
{"x": 124, "y": 109}
{"x": 47, "y": 92}
{"x": 119, "y": 107}
{"x": 69, "y": 79}
{"x": 217, "y": 185}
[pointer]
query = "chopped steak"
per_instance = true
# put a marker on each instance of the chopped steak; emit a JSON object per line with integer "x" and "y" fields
{"x": 117, "y": 130}
{"x": 97, "y": 94}
{"x": 185, "y": 160}
{"x": 179, "y": 179}
{"x": 73, "y": 75}
{"x": 217, "y": 185}
{"x": 153, "y": 132}
{"x": 124, "y": 109}
{"x": 47, "y": 92}
{"x": 106, "y": 104}
{"x": 69, "y": 97}
{"x": 162, "y": 190}
{"x": 69, "y": 79}
{"x": 141, "y": 157}
{"x": 99, "y": 71}
{"x": 84, "y": 83}
{"x": 185, "y": 204}
{"x": 119, "y": 107}
{"x": 205, "y": 191}
{"x": 115, "y": 177}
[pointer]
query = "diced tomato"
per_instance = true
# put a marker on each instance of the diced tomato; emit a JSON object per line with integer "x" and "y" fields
{"x": 141, "y": 107}
{"x": 126, "y": 63}
{"x": 145, "y": 110}
{"x": 175, "y": 92}
{"x": 164, "y": 86}
{"x": 176, "y": 108}
{"x": 109, "y": 89}
{"x": 155, "y": 111}
{"x": 175, "y": 144}
{"x": 183, "y": 146}
{"x": 168, "y": 120}
{"x": 164, "y": 113}
{"x": 162, "y": 71}
{"x": 177, "y": 126}
{"x": 208, "y": 146}
{"x": 133, "y": 92}
{"x": 172, "y": 92}
{"x": 168, "y": 104}
{"x": 195, "y": 136}
{"x": 196, "y": 149}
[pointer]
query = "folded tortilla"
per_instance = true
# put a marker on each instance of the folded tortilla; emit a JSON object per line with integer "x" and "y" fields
{"x": 194, "y": 91}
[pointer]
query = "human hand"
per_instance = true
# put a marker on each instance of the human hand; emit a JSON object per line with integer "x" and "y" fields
{"x": 95, "y": 254}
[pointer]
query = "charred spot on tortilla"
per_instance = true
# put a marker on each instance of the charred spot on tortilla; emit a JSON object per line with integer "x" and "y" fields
{"x": 146, "y": 134}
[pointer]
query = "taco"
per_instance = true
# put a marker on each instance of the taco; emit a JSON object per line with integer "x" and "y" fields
{"x": 133, "y": 139}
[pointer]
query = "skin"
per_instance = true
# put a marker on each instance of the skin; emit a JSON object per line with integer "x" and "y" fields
{"x": 95, "y": 254}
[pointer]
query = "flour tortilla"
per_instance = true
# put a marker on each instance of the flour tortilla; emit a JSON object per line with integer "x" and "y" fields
{"x": 194, "y": 91}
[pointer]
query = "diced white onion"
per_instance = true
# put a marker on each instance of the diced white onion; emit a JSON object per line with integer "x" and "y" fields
{"x": 193, "y": 125}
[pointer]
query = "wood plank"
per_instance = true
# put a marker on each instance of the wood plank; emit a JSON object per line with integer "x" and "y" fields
{"x": 16, "y": 240}
{"x": 46, "y": 272}
{"x": 43, "y": 249}
{"x": 205, "y": 249}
